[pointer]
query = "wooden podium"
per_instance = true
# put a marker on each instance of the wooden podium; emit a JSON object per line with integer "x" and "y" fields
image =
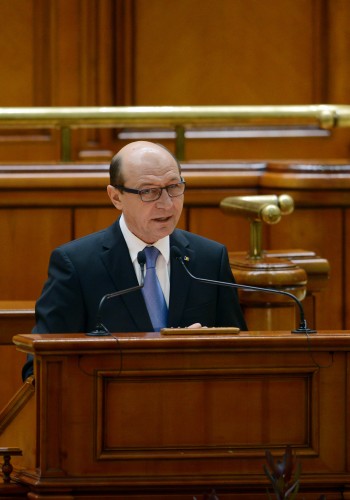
{"x": 146, "y": 415}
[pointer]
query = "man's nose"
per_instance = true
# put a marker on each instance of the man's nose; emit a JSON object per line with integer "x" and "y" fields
{"x": 164, "y": 198}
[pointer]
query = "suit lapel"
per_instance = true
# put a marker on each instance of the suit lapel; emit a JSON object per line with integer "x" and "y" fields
{"x": 116, "y": 258}
{"x": 180, "y": 282}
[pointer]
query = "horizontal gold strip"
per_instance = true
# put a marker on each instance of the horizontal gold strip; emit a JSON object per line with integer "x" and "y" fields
{"x": 320, "y": 116}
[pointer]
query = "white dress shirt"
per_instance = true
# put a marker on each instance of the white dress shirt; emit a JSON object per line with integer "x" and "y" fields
{"x": 135, "y": 245}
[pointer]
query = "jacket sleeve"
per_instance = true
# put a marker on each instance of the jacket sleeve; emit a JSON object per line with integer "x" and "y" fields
{"x": 60, "y": 308}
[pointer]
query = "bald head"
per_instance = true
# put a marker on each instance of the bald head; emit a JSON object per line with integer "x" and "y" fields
{"x": 147, "y": 168}
{"x": 135, "y": 154}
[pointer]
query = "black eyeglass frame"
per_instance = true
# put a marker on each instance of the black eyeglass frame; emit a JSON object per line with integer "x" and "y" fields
{"x": 141, "y": 191}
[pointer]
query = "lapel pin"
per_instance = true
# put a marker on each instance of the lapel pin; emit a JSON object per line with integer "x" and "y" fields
{"x": 187, "y": 259}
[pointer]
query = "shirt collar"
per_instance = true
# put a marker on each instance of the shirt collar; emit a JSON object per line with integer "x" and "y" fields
{"x": 135, "y": 245}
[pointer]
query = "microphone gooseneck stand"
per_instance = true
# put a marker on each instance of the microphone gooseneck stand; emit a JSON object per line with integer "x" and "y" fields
{"x": 100, "y": 330}
{"x": 303, "y": 328}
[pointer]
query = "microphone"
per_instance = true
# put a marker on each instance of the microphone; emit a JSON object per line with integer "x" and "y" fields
{"x": 100, "y": 329}
{"x": 303, "y": 328}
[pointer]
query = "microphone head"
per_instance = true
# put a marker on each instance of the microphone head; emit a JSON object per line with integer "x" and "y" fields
{"x": 141, "y": 258}
{"x": 175, "y": 252}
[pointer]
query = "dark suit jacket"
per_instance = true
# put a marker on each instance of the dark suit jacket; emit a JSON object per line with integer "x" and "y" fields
{"x": 82, "y": 271}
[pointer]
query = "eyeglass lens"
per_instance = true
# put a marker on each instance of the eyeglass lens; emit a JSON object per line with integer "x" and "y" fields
{"x": 153, "y": 194}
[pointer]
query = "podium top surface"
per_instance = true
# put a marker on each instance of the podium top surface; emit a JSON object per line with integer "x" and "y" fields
{"x": 335, "y": 340}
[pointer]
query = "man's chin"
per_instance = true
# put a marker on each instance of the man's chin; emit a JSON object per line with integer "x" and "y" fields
{"x": 163, "y": 231}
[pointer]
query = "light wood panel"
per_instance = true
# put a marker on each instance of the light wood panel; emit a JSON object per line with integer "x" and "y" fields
{"x": 16, "y": 56}
{"x": 27, "y": 237}
{"x": 236, "y": 52}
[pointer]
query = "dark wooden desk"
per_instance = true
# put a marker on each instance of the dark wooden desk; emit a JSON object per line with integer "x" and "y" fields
{"x": 150, "y": 416}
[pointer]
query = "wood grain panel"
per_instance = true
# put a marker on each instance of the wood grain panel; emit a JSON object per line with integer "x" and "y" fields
{"x": 232, "y": 231}
{"x": 17, "y": 51}
{"x": 130, "y": 414}
{"x": 27, "y": 237}
{"x": 345, "y": 291}
{"x": 338, "y": 63}
{"x": 238, "y": 52}
{"x": 121, "y": 52}
{"x": 172, "y": 424}
{"x": 319, "y": 230}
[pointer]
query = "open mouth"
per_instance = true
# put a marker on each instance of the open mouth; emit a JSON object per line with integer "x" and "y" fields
{"x": 162, "y": 219}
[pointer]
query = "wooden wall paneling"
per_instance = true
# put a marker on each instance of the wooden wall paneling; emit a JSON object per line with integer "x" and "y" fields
{"x": 123, "y": 63}
{"x": 66, "y": 33}
{"x": 16, "y": 84}
{"x": 232, "y": 231}
{"x": 237, "y": 52}
{"x": 346, "y": 264}
{"x": 63, "y": 55}
{"x": 264, "y": 53}
{"x": 88, "y": 220}
{"x": 25, "y": 55}
{"x": 319, "y": 230}
{"x": 27, "y": 237}
{"x": 338, "y": 63}
{"x": 138, "y": 52}
{"x": 99, "y": 69}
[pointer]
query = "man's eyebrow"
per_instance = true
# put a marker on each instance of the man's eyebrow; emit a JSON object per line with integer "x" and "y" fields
{"x": 148, "y": 185}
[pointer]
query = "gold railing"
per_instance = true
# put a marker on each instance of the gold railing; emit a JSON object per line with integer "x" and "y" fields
{"x": 178, "y": 118}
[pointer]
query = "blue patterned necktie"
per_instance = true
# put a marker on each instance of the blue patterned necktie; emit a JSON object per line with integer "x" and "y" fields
{"x": 152, "y": 291}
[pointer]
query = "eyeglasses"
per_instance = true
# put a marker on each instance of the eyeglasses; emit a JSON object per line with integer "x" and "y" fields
{"x": 153, "y": 194}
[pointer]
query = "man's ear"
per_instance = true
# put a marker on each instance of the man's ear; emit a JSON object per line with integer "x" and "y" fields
{"x": 114, "y": 196}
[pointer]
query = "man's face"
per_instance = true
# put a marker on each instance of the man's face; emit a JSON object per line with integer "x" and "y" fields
{"x": 148, "y": 166}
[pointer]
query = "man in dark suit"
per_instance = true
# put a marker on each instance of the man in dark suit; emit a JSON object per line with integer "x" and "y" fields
{"x": 146, "y": 185}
